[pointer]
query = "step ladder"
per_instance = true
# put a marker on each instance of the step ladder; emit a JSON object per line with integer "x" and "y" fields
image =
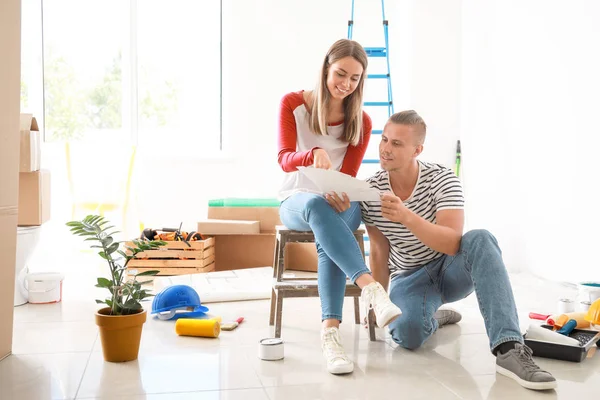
{"x": 377, "y": 52}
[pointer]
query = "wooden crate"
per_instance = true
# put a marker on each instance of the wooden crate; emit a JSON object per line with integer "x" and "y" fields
{"x": 176, "y": 258}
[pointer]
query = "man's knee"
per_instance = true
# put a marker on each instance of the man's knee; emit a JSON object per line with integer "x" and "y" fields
{"x": 409, "y": 333}
{"x": 478, "y": 237}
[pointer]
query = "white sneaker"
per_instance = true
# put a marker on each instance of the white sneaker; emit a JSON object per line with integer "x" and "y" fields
{"x": 337, "y": 360}
{"x": 374, "y": 296}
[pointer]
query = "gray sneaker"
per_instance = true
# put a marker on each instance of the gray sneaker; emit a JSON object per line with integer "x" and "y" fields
{"x": 447, "y": 316}
{"x": 518, "y": 364}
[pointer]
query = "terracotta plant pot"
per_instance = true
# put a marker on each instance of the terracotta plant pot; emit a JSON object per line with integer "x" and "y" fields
{"x": 120, "y": 334}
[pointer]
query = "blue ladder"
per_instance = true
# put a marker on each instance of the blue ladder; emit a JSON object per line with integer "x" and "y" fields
{"x": 377, "y": 52}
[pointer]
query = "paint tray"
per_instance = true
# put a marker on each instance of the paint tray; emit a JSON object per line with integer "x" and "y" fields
{"x": 587, "y": 340}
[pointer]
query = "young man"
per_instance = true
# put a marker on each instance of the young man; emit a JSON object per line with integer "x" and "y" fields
{"x": 416, "y": 236}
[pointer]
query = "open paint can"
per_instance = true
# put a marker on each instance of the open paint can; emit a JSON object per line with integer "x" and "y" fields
{"x": 270, "y": 349}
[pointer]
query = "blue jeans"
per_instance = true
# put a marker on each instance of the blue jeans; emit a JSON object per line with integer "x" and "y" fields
{"x": 338, "y": 252}
{"x": 477, "y": 266}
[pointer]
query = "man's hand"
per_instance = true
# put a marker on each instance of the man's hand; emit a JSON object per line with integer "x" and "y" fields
{"x": 339, "y": 204}
{"x": 321, "y": 159}
{"x": 393, "y": 208}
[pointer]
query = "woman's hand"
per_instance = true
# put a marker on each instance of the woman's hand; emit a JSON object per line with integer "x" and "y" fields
{"x": 339, "y": 204}
{"x": 321, "y": 159}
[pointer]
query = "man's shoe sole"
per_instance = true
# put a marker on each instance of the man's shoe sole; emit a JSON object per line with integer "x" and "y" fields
{"x": 524, "y": 383}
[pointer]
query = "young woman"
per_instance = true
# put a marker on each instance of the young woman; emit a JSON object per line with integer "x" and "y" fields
{"x": 326, "y": 128}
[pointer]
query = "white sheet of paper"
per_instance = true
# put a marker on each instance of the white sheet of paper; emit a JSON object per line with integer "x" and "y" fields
{"x": 329, "y": 181}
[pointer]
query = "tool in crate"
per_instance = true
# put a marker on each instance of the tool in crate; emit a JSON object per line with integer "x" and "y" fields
{"x": 171, "y": 234}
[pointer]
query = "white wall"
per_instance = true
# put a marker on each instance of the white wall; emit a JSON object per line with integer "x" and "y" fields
{"x": 530, "y": 131}
{"x": 435, "y": 78}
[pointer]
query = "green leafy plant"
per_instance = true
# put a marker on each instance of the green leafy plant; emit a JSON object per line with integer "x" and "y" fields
{"x": 125, "y": 296}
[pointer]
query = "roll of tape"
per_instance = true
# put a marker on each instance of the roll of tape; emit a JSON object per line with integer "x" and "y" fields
{"x": 270, "y": 349}
{"x": 566, "y": 306}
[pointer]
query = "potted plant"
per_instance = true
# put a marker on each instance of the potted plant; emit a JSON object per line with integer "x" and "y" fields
{"x": 121, "y": 322}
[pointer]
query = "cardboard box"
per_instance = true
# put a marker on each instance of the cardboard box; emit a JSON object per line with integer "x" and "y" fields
{"x": 228, "y": 227}
{"x": 31, "y": 156}
{"x": 257, "y": 250}
{"x": 239, "y": 251}
{"x": 301, "y": 257}
{"x": 34, "y": 197}
{"x": 10, "y": 72}
{"x": 244, "y": 251}
{"x": 267, "y": 216}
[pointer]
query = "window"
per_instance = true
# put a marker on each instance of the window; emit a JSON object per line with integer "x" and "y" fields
{"x": 179, "y": 74}
{"x": 142, "y": 72}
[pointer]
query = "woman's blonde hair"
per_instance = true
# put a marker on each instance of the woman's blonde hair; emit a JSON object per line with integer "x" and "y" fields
{"x": 352, "y": 104}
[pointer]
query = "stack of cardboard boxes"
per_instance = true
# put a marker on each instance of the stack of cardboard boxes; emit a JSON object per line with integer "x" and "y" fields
{"x": 34, "y": 183}
{"x": 245, "y": 238}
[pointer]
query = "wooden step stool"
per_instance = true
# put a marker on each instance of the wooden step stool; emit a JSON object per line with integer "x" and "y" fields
{"x": 306, "y": 287}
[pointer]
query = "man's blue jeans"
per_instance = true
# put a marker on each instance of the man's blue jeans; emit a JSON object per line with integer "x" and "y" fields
{"x": 477, "y": 266}
{"x": 338, "y": 252}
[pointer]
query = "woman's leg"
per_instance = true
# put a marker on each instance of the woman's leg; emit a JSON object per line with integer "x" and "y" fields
{"x": 331, "y": 279}
{"x": 333, "y": 236}
{"x": 311, "y": 212}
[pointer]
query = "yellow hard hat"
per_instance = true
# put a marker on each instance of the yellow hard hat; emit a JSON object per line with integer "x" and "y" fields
{"x": 593, "y": 314}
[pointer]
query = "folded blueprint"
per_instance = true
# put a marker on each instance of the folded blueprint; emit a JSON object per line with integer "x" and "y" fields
{"x": 329, "y": 181}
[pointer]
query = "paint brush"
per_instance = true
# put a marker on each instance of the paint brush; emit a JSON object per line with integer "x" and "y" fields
{"x": 229, "y": 326}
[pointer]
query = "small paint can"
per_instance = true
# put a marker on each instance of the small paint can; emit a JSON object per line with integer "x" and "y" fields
{"x": 566, "y": 306}
{"x": 584, "y": 306}
{"x": 270, "y": 349}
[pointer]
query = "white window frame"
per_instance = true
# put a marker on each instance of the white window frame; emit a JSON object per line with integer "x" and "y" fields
{"x": 130, "y": 81}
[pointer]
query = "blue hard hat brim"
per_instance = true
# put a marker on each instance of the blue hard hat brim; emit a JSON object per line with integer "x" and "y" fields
{"x": 197, "y": 308}
{"x": 194, "y": 314}
{"x": 201, "y": 309}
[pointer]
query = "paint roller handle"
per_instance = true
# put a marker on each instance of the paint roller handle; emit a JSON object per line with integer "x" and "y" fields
{"x": 537, "y": 316}
{"x": 568, "y": 327}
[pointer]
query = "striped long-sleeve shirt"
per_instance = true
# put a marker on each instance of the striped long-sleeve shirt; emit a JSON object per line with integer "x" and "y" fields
{"x": 437, "y": 189}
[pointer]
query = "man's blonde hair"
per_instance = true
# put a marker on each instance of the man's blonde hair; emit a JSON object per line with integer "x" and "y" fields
{"x": 410, "y": 118}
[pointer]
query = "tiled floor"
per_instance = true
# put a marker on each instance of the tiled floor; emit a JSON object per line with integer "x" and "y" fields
{"x": 57, "y": 355}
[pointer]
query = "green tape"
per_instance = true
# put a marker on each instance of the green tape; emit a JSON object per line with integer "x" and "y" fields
{"x": 240, "y": 202}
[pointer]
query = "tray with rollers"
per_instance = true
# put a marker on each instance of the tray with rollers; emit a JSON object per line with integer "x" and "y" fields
{"x": 588, "y": 340}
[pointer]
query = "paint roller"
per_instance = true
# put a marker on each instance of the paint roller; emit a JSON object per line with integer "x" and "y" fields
{"x": 536, "y": 332}
{"x": 198, "y": 327}
{"x": 560, "y": 320}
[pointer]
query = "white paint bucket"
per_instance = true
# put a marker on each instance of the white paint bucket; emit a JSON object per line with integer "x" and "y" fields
{"x": 44, "y": 287}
